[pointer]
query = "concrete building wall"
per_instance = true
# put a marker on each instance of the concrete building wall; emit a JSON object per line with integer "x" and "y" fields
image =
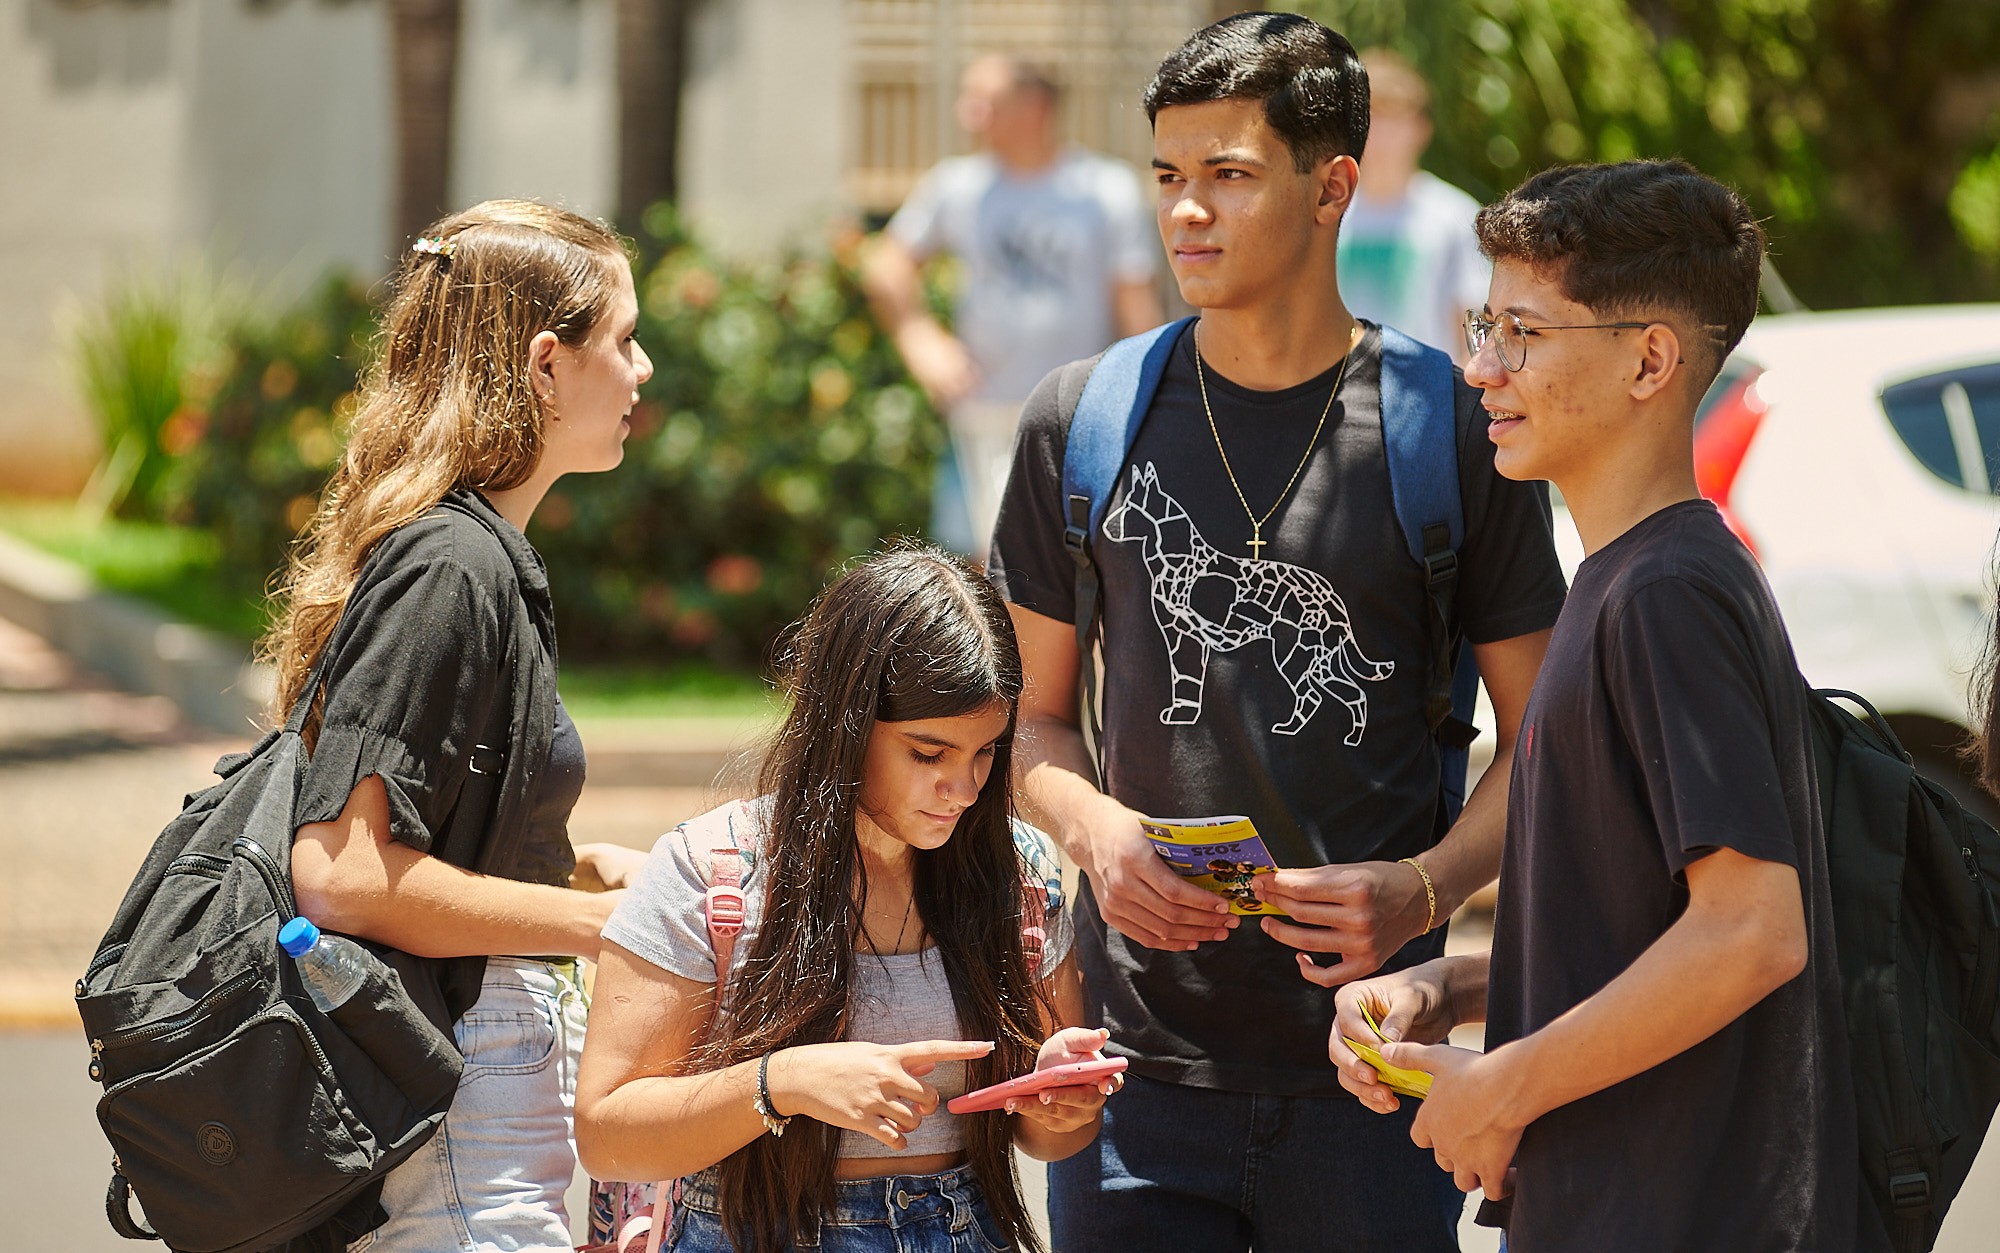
{"x": 91, "y": 135}
{"x": 255, "y": 139}
{"x": 256, "y": 136}
{"x": 764, "y": 120}
{"x": 538, "y": 104}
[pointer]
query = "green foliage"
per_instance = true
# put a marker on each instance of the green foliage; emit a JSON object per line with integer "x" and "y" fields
{"x": 1975, "y": 206}
{"x": 1848, "y": 123}
{"x": 137, "y": 353}
{"x": 177, "y": 568}
{"x": 779, "y": 436}
{"x": 252, "y": 452}
{"x": 683, "y": 689}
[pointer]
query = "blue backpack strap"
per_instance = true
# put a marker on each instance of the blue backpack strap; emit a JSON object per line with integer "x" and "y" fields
{"x": 1108, "y": 415}
{"x": 1420, "y": 433}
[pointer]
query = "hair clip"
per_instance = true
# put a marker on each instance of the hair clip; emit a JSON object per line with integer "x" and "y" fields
{"x": 435, "y": 247}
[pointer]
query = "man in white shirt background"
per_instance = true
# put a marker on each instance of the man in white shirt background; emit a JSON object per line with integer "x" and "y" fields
{"x": 1408, "y": 257}
{"x": 1059, "y": 256}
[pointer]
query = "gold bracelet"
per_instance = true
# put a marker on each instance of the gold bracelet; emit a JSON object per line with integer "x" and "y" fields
{"x": 1430, "y": 893}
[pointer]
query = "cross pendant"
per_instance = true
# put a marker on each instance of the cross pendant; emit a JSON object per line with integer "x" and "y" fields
{"x": 1257, "y": 542}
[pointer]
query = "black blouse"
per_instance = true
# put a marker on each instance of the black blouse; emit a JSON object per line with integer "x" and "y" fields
{"x": 443, "y": 682}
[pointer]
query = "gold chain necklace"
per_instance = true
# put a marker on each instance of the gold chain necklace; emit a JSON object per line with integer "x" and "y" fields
{"x": 1257, "y": 540}
{"x": 901, "y": 927}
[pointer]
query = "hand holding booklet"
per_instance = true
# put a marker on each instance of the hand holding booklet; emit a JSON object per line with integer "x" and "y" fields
{"x": 1414, "y": 1083}
{"x": 1222, "y": 854}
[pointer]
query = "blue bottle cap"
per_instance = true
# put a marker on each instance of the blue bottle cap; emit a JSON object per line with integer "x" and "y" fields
{"x": 298, "y": 936}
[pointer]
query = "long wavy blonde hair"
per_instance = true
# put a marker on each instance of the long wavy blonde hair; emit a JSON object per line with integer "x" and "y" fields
{"x": 448, "y": 401}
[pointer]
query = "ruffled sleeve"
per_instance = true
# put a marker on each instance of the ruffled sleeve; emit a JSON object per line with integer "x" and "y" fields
{"x": 1041, "y": 868}
{"x": 418, "y": 669}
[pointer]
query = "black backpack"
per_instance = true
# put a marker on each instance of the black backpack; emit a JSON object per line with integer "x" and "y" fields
{"x": 1915, "y": 882}
{"x": 238, "y": 1113}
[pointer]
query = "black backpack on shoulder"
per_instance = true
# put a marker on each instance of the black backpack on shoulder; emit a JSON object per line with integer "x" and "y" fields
{"x": 240, "y": 1115}
{"x": 1915, "y": 883}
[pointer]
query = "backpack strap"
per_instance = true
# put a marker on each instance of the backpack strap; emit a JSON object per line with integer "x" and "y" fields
{"x": 721, "y": 863}
{"x": 724, "y": 905}
{"x": 1420, "y": 437}
{"x": 1108, "y": 415}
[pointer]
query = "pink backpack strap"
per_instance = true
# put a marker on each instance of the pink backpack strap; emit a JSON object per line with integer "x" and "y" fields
{"x": 724, "y": 906}
{"x": 721, "y": 865}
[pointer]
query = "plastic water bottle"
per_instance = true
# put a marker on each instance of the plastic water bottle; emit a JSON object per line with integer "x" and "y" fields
{"x": 333, "y": 968}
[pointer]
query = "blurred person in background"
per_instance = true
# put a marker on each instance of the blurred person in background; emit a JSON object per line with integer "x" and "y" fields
{"x": 435, "y": 807}
{"x": 1059, "y": 259}
{"x": 1408, "y": 257}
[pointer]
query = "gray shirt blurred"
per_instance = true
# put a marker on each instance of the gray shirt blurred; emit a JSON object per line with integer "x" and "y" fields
{"x": 1042, "y": 255}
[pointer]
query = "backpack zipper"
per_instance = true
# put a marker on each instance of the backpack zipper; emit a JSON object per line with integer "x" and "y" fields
{"x": 166, "y": 1026}
{"x": 274, "y": 879}
{"x": 188, "y": 862}
{"x": 108, "y": 957}
{"x": 278, "y": 1010}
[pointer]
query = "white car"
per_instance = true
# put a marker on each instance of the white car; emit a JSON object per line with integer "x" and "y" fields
{"x": 1858, "y": 454}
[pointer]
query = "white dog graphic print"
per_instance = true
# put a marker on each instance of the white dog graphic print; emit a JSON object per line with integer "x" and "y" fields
{"x": 1206, "y": 600}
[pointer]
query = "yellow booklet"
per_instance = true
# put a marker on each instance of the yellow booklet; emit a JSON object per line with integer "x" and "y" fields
{"x": 1222, "y": 854}
{"x": 1416, "y": 1083}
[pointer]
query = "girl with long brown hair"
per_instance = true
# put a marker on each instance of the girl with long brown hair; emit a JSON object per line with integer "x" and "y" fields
{"x": 886, "y": 962}
{"x": 435, "y": 805}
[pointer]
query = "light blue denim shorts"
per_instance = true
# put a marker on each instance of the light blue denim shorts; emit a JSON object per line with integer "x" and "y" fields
{"x": 941, "y": 1213}
{"x": 492, "y": 1179}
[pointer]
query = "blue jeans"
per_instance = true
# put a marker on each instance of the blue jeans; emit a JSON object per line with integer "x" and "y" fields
{"x": 1208, "y": 1171}
{"x": 492, "y": 1179}
{"x": 943, "y": 1213}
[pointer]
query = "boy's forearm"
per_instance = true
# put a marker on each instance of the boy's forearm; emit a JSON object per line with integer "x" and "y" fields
{"x": 1705, "y": 972}
{"x": 1465, "y": 980}
{"x": 1057, "y": 782}
{"x": 1468, "y": 857}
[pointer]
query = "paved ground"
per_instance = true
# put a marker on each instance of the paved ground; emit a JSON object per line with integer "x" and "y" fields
{"x": 88, "y": 775}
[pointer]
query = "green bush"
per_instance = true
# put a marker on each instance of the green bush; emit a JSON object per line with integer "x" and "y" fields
{"x": 139, "y": 353}
{"x": 778, "y": 437}
{"x": 250, "y": 458}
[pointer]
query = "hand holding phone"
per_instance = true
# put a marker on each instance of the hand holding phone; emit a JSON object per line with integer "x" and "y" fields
{"x": 1069, "y": 1075}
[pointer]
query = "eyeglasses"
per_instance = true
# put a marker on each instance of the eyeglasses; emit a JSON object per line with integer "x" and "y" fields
{"x": 1509, "y": 335}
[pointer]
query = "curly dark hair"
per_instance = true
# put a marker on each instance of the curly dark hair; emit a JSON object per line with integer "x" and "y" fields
{"x": 1639, "y": 237}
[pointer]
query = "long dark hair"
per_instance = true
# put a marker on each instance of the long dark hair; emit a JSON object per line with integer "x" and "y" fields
{"x": 903, "y": 635}
{"x": 1982, "y": 749}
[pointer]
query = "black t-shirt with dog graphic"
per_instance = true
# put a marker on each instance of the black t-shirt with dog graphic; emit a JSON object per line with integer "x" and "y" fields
{"x": 1289, "y": 689}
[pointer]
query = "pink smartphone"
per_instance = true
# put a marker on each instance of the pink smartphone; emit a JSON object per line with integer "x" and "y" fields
{"x": 1073, "y": 1075}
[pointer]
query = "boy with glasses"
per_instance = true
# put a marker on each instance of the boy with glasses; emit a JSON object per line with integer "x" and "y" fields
{"x": 1666, "y": 1066}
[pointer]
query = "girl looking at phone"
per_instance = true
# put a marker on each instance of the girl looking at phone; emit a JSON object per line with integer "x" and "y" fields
{"x": 886, "y": 962}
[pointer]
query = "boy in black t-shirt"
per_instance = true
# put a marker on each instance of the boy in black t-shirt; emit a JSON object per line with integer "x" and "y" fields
{"x": 1666, "y": 1066}
{"x": 1265, "y": 653}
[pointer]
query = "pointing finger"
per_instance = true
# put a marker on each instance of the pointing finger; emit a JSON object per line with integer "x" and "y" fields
{"x": 929, "y": 1053}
